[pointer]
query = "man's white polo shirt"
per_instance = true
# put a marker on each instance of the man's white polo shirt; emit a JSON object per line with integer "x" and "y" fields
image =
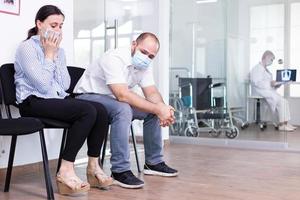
{"x": 114, "y": 67}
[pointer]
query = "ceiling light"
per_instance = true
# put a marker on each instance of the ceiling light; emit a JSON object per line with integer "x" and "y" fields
{"x": 206, "y": 1}
{"x": 127, "y": 7}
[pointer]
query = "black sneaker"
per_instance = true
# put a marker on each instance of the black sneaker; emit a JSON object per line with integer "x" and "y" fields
{"x": 127, "y": 180}
{"x": 160, "y": 169}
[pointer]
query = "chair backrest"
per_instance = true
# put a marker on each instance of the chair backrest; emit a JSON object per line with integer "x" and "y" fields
{"x": 199, "y": 91}
{"x": 0, "y": 94}
{"x": 7, "y": 72}
{"x": 75, "y": 74}
{"x": 1, "y": 102}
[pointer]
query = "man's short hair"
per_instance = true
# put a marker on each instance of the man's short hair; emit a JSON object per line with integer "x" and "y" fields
{"x": 267, "y": 53}
{"x": 145, "y": 35}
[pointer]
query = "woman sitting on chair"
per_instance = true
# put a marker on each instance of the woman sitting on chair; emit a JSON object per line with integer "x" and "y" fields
{"x": 41, "y": 78}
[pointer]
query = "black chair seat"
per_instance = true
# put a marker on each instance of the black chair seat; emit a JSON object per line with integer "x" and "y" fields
{"x": 52, "y": 123}
{"x": 20, "y": 126}
{"x": 209, "y": 115}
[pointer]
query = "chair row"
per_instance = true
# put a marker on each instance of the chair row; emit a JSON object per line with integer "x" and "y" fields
{"x": 24, "y": 125}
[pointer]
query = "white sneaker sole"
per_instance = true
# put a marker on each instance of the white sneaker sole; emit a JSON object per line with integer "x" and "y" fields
{"x": 156, "y": 173}
{"x": 123, "y": 185}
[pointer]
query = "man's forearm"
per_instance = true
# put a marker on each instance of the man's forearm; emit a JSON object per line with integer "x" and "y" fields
{"x": 155, "y": 98}
{"x": 163, "y": 111}
{"x": 139, "y": 102}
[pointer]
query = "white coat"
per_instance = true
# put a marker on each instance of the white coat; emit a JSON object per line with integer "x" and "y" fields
{"x": 261, "y": 78}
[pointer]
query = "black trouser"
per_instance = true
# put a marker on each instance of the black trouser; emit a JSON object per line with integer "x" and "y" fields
{"x": 88, "y": 120}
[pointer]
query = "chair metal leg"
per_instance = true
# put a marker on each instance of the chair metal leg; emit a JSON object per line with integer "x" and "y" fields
{"x": 134, "y": 146}
{"x": 10, "y": 162}
{"x": 50, "y": 194}
{"x": 135, "y": 149}
{"x": 103, "y": 150}
{"x": 258, "y": 120}
{"x": 62, "y": 147}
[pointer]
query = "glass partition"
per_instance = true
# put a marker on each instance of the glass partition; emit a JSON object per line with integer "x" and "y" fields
{"x": 197, "y": 69}
{"x": 222, "y": 41}
{"x": 254, "y": 27}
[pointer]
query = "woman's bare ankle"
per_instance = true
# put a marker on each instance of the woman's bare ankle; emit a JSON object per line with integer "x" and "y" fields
{"x": 66, "y": 168}
{"x": 93, "y": 163}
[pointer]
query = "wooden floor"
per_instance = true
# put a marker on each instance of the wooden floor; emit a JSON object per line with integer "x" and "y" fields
{"x": 205, "y": 173}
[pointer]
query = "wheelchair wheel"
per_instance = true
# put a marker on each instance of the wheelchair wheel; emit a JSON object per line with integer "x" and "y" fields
{"x": 244, "y": 126}
{"x": 215, "y": 133}
{"x": 233, "y": 133}
{"x": 262, "y": 127}
{"x": 191, "y": 131}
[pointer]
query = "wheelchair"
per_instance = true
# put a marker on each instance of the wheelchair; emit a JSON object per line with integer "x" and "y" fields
{"x": 215, "y": 119}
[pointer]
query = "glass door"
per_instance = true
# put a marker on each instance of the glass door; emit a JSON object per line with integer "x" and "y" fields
{"x": 88, "y": 31}
{"x": 126, "y": 19}
{"x": 198, "y": 43}
{"x": 100, "y": 25}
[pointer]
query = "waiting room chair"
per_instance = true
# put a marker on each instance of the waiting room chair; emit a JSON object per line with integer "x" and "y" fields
{"x": 7, "y": 72}
{"x": 7, "y": 77}
{"x": 134, "y": 146}
{"x": 19, "y": 127}
{"x": 76, "y": 73}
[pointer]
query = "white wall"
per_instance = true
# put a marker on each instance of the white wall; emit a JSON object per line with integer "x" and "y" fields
{"x": 14, "y": 30}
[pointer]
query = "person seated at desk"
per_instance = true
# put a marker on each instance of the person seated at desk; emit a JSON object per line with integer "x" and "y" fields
{"x": 263, "y": 85}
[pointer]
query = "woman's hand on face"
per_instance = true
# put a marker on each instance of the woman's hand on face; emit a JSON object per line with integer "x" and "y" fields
{"x": 51, "y": 45}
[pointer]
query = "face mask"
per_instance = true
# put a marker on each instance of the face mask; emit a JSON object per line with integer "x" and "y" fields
{"x": 269, "y": 62}
{"x": 140, "y": 60}
{"x": 49, "y": 32}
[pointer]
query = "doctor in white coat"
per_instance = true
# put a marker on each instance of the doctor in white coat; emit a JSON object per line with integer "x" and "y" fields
{"x": 263, "y": 85}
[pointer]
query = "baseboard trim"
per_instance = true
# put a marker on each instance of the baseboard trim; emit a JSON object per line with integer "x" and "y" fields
{"x": 139, "y": 140}
{"x": 31, "y": 168}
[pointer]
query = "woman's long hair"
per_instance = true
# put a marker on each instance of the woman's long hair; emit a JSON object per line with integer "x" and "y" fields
{"x": 41, "y": 15}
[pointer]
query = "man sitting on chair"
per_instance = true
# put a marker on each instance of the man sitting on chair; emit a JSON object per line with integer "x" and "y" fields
{"x": 109, "y": 80}
{"x": 263, "y": 85}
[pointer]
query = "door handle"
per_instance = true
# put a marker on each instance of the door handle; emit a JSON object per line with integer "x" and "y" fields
{"x": 115, "y": 28}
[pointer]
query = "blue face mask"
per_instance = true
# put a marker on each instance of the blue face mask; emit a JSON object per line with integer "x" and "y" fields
{"x": 140, "y": 60}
